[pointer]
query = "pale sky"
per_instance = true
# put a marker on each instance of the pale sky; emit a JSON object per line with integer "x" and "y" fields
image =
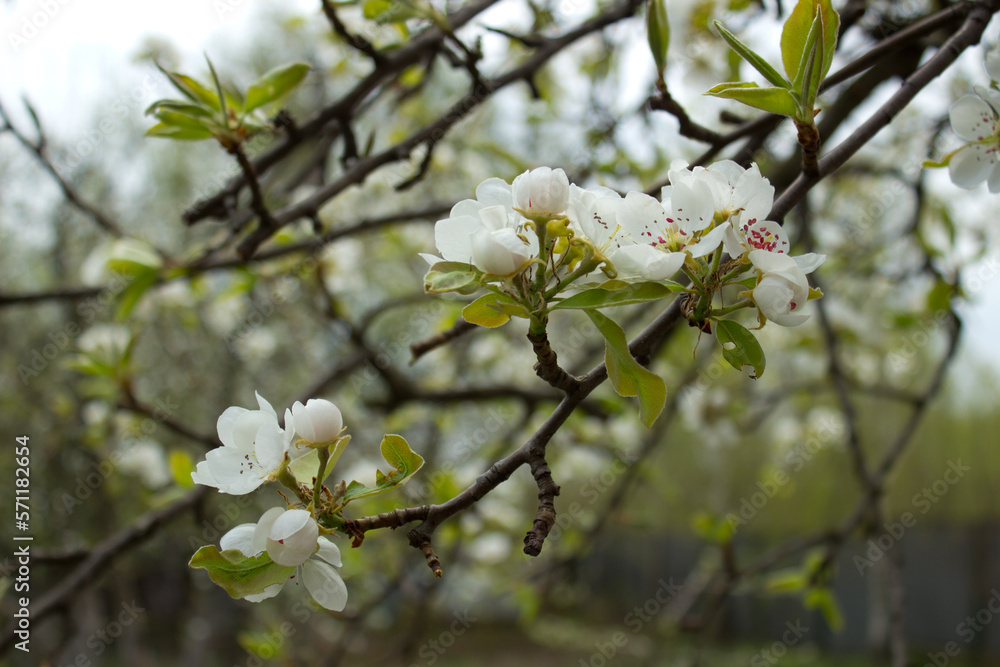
{"x": 65, "y": 55}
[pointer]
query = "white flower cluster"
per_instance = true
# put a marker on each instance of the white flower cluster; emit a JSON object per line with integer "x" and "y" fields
{"x": 637, "y": 237}
{"x": 976, "y": 118}
{"x": 254, "y": 450}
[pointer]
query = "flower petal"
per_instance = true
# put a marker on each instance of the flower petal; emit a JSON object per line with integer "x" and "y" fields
{"x": 329, "y": 552}
{"x": 324, "y": 585}
{"x": 265, "y": 407}
{"x": 809, "y": 262}
{"x": 453, "y": 237}
{"x": 972, "y": 118}
{"x": 227, "y": 421}
{"x": 202, "y": 475}
{"x": 970, "y": 166}
{"x": 241, "y": 538}
{"x": 264, "y": 527}
{"x": 268, "y": 592}
{"x": 994, "y": 179}
{"x": 709, "y": 242}
{"x": 292, "y": 538}
{"x": 495, "y": 192}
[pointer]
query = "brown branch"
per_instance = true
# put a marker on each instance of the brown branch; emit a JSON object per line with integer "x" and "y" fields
{"x": 426, "y": 42}
{"x": 420, "y": 348}
{"x": 545, "y": 518}
{"x": 663, "y": 101}
{"x": 422, "y": 542}
{"x": 548, "y": 367}
{"x": 256, "y": 193}
{"x": 356, "y": 41}
{"x": 361, "y": 169}
{"x": 38, "y": 148}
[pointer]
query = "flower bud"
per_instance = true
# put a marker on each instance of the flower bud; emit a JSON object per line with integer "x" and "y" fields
{"x": 541, "y": 191}
{"x": 317, "y": 421}
{"x": 500, "y": 252}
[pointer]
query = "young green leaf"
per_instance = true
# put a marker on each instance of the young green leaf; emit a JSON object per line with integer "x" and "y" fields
{"x": 739, "y": 347}
{"x": 179, "y": 119}
{"x": 237, "y": 574}
{"x": 824, "y": 600}
{"x": 179, "y": 106}
{"x": 221, "y": 93}
{"x": 274, "y": 84}
{"x": 776, "y": 100}
{"x": 451, "y": 277}
{"x": 493, "y": 310}
{"x": 603, "y": 297}
{"x": 179, "y": 133}
{"x": 658, "y": 33}
{"x": 191, "y": 88}
{"x": 796, "y": 31}
{"x": 404, "y": 461}
{"x": 752, "y": 57}
{"x": 627, "y": 376}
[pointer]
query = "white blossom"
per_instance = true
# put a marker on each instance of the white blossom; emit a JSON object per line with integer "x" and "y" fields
{"x": 783, "y": 289}
{"x": 291, "y": 538}
{"x": 975, "y": 119}
{"x": 253, "y": 448}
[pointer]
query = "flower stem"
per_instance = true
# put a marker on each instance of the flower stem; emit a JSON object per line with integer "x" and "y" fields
{"x": 324, "y": 457}
{"x": 719, "y": 312}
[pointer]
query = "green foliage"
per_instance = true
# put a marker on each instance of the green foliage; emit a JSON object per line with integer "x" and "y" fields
{"x": 404, "y": 461}
{"x": 627, "y": 376}
{"x": 739, "y": 347}
{"x": 223, "y": 114}
{"x": 237, "y": 574}
{"x": 808, "y": 42}
{"x": 452, "y": 277}
{"x": 493, "y": 310}
{"x": 611, "y": 294}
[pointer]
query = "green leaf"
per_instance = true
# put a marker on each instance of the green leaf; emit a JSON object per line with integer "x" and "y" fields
{"x": 824, "y": 600}
{"x": 404, "y": 461}
{"x": 810, "y": 70}
{"x": 182, "y": 120}
{"x": 658, "y": 33}
{"x": 776, "y": 100}
{"x": 179, "y": 133}
{"x": 627, "y": 376}
{"x": 179, "y": 106}
{"x": 131, "y": 295}
{"x": 237, "y": 574}
{"x": 274, "y": 84}
{"x": 451, "y": 277}
{"x": 602, "y": 297}
{"x": 786, "y": 581}
{"x": 220, "y": 92}
{"x": 796, "y": 31}
{"x": 191, "y": 88}
{"x": 493, "y": 310}
{"x": 739, "y": 347}
{"x": 939, "y": 297}
{"x": 752, "y": 57}
{"x": 181, "y": 466}
{"x": 374, "y": 8}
